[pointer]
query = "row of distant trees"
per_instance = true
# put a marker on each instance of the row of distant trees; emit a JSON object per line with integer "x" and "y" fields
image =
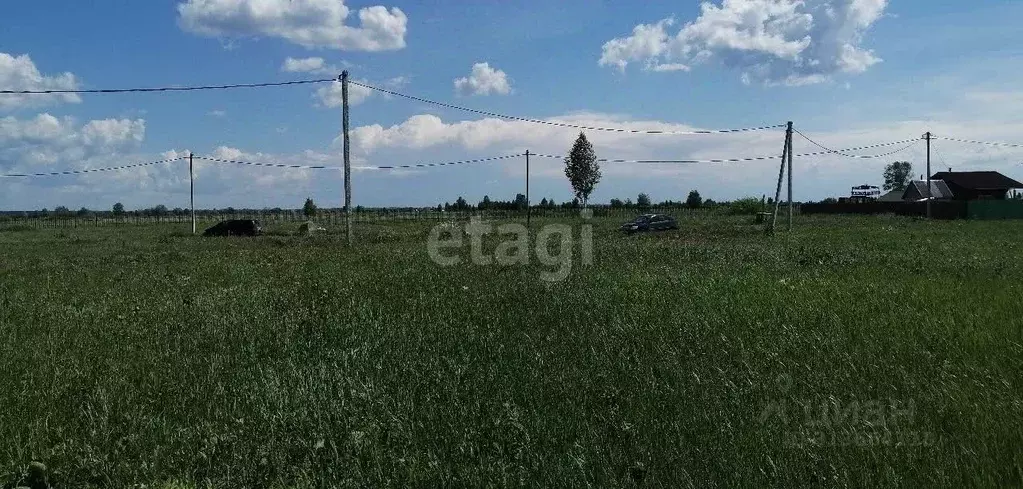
{"x": 310, "y": 209}
{"x": 118, "y": 210}
{"x": 581, "y": 169}
{"x": 643, "y": 201}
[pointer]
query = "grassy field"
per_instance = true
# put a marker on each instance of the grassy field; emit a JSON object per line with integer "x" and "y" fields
{"x": 855, "y": 352}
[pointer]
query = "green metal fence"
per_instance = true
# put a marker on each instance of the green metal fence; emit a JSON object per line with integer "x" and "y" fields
{"x": 995, "y": 209}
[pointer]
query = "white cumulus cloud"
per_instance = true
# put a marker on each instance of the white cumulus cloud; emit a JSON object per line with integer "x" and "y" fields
{"x": 647, "y": 42}
{"x": 113, "y": 132}
{"x": 47, "y": 140}
{"x": 791, "y": 42}
{"x": 483, "y": 80}
{"x": 20, "y": 73}
{"x": 309, "y": 65}
{"x": 330, "y": 96}
{"x": 669, "y": 67}
{"x": 428, "y": 130}
{"x": 308, "y": 23}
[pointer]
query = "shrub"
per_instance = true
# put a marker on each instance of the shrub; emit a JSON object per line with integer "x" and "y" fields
{"x": 745, "y": 206}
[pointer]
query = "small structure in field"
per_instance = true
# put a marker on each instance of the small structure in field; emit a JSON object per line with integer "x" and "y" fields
{"x": 235, "y": 227}
{"x": 310, "y": 228}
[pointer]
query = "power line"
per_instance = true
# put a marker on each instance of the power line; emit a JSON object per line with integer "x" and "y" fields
{"x": 381, "y": 167}
{"x": 251, "y": 163}
{"x": 1009, "y": 145}
{"x": 432, "y": 165}
{"x": 726, "y": 160}
{"x": 274, "y": 165}
{"x": 168, "y": 89}
{"x": 561, "y": 124}
{"x": 425, "y": 165}
{"x": 89, "y": 170}
{"x": 757, "y": 158}
{"x": 912, "y": 142}
{"x": 938, "y": 153}
{"x": 842, "y": 152}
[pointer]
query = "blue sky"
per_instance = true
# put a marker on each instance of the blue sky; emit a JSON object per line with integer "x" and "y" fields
{"x": 847, "y": 72}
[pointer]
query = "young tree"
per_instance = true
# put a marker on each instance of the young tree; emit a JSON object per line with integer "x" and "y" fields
{"x": 582, "y": 169}
{"x": 643, "y": 201}
{"x": 694, "y": 200}
{"x": 118, "y": 209}
{"x": 486, "y": 203}
{"x": 898, "y": 175}
{"x": 543, "y": 203}
{"x": 461, "y": 204}
{"x": 309, "y": 209}
{"x": 520, "y": 201}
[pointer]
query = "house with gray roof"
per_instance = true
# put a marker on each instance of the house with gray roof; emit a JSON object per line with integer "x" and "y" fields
{"x": 917, "y": 190}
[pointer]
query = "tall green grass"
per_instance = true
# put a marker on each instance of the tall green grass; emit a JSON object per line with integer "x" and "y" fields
{"x": 852, "y": 352}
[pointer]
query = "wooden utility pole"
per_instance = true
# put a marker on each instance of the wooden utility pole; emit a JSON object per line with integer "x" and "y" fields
{"x": 347, "y": 156}
{"x": 788, "y": 143}
{"x": 777, "y": 192}
{"x": 927, "y": 136}
{"x": 529, "y": 210}
{"x": 191, "y": 188}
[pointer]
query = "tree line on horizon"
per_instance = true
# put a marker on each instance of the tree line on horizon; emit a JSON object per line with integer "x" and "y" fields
{"x": 582, "y": 170}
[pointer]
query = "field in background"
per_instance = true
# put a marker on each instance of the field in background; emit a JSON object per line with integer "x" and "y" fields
{"x": 851, "y": 352}
{"x": 282, "y": 219}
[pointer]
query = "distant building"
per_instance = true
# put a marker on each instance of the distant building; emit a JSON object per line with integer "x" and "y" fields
{"x": 893, "y": 196}
{"x": 864, "y": 193}
{"x": 977, "y": 185}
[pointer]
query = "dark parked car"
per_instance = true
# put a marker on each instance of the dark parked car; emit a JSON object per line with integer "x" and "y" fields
{"x": 235, "y": 227}
{"x": 650, "y": 222}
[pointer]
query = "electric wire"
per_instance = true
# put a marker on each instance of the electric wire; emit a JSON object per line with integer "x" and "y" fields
{"x": 166, "y": 89}
{"x": 1009, "y": 145}
{"x": 273, "y": 165}
{"x": 842, "y": 152}
{"x": 87, "y": 170}
{"x": 911, "y": 144}
{"x": 752, "y": 158}
{"x": 560, "y": 124}
{"x": 720, "y": 160}
{"x": 380, "y": 167}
